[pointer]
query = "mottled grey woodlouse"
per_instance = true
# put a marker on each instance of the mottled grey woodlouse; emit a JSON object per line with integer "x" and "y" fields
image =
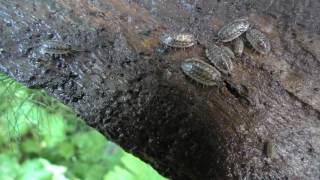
{"x": 53, "y": 48}
{"x": 200, "y": 71}
{"x": 238, "y": 46}
{"x": 228, "y": 52}
{"x": 181, "y": 40}
{"x": 258, "y": 41}
{"x": 220, "y": 57}
{"x": 268, "y": 149}
{"x": 238, "y": 90}
{"x": 233, "y": 30}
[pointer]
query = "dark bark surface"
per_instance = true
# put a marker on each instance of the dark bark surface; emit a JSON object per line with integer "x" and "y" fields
{"x": 131, "y": 89}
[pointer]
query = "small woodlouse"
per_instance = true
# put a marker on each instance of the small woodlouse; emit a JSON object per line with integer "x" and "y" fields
{"x": 53, "y": 48}
{"x": 220, "y": 57}
{"x": 182, "y": 40}
{"x": 258, "y": 41}
{"x": 233, "y": 30}
{"x": 200, "y": 71}
{"x": 228, "y": 51}
{"x": 238, "y": 90}
{"x": 268, "y": 148}
{"x": 238, "y": 46}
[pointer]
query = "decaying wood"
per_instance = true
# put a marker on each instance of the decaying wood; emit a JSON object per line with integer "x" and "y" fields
{"x": 131, "y": 89}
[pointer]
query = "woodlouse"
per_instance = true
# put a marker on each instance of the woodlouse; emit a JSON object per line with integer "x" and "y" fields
{"x": 182, "y": 40}
{"x": 220, "y": 57}
{"x": 228, "y": 52}
{"x": 238, "y": 90}
{"x": 268, "y": 148}
{"x": 233, "y": 30}
{"x": 53, "y": 48}
{"x": 238, "y": 46}
{"x": 200, "y": 71}
{"x": 258, "y": 41}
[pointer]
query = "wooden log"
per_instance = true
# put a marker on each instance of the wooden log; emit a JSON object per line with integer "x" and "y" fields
{"x": 130, "y": 88}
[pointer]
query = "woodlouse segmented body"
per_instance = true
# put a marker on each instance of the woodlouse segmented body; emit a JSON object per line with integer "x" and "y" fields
{"x": 220, "y": 57}
{"x": 182, "y": 40}
{"x": 56, "y": 48}
{"x": 258, "y": 41}
{"x": 268, "y": 148}
{"x": 238, "y": 46}
{"x": 200, "y": 71}
{"x": 233, "y": 30}
{"x": 228, "y": 52}
{"x": 238, "y": 90}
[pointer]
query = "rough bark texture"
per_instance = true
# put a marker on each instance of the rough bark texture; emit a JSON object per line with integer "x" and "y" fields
{"x": 131, "y": 89}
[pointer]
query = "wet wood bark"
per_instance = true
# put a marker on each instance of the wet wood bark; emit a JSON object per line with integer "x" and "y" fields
{"x": 131, "y": 88}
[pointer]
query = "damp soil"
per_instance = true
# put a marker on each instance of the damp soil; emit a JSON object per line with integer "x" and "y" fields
{"x": 131, "y": 88}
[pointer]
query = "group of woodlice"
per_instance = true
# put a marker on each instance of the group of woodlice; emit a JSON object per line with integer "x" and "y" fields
{"x": 220, "y": 56}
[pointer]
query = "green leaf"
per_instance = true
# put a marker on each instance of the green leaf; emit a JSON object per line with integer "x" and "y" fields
{"x": 135, "y": 166}
{"x": 96, "y": 171}
{"x": 66, "y": 150}
{"x": 90, "y": 145}
{"x": 11, "y": 149}
{"x": 41, "y": 169}
{"x": 79, "y": 169}
{"x": 34, "y": 169}
{"x": 119, "y": 174}
{"x": 44, "y": 127}
{"x": 52, "y": 129}
{"x": 8, "y": 167}
{"x": 31, "y": 146}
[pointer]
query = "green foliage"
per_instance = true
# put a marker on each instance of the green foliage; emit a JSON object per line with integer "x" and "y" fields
{"x": 41, "y": 139}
